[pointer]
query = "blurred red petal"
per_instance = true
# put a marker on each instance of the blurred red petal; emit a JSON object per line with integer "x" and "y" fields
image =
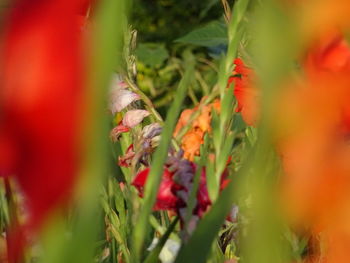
{"x": 41, "y": 98}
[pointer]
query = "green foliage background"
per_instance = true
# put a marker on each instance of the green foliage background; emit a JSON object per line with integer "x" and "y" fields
{"x": 163, "y": 21}
{"x": 165, "y": 43}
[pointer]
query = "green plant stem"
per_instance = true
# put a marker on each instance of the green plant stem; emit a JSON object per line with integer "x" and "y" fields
{"x": 203, "y": 84}
{"x": 148, "y": 103}
{"x": 155, "y": 174}
{"x": 13, "y": 219}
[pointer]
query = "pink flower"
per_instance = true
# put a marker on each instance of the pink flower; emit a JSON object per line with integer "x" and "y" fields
{"x": 134, "y": 117}
{"x": 120, "y": 96}
{"x": 130, "y": 120}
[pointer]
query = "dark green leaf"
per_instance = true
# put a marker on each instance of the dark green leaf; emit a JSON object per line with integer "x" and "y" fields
{"x": 151, "y": 54}
{"x": 213, "y": 34}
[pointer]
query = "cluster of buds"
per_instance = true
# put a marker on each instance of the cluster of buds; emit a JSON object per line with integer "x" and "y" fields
{"x": 141, "y": 151}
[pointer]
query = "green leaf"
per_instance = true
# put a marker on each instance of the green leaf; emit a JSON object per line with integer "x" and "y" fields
{"x": 154, "y": 255}
{"x": 213, "y": 34}
{"x": 83, "y": 227}
{"x": 227, "y": 105}
{"x": 223, "y": 157}
{"x": 151, "y": 54}
{"x": 193, "y": 193}
{"x": 212, "y": 184}
{"x": 199, "y": 245}
{"x": 215, "y": 124}
{"x": 207, "y": 7}
{"x": 160, "y": 156}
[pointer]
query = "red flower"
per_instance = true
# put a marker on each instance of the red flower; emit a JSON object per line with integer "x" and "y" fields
{"x": 176, "y": 185}
{"x": 245, "y": 93}
{"x": 166, "y": 199}
{"x": 41, "y": 101}
{"x": 117, "y": 131}
{"x": 202, "y": 196}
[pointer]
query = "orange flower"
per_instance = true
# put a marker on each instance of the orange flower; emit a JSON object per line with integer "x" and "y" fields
{"x": 184, "y": 119}
{"x": 193, "y": 138}
{"x": 329, "y": 54}
{"x": 191, "y": 143}
{"x": 313, "y": 145}
{"x": 315, "y": 17}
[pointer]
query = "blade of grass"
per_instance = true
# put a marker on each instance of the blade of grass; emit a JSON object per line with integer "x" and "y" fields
{"x": 153, "y": 257}
{"x": 199, "y": 245}
{"x": 193, "y": 194}
{"x": 106, "y": 40}
{"x": 156, "y": 171}
{"x": 274, "y": 29}
{"x": 222, "y": 121}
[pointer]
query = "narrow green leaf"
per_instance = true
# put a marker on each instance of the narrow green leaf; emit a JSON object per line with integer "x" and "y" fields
{"x": 153, "y": 257}
{"x": 156, "y": 171}
{"x": 221, "y": 161}
{"x": 215, "y": 124}
{"x": 193, "y": 194}
{"x": 235, "y": 31}
{"x": 198, "y": 247}
{"x": 109, "y": 19}
{"x": 227, "y": 105}
{"x": 212, "y": 183}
